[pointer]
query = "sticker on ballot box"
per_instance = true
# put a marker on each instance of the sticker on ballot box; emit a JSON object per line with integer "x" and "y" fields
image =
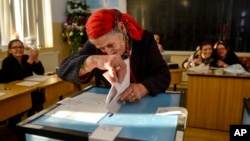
{"x": 105, "y": 133}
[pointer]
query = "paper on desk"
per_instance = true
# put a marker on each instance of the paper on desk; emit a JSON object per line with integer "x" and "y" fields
{"x": 236, "y": 69}
{"x": 27, "y": 83}
{"x": 87, "y": 107}
{"x": 37, "y": 78}
{"x": 2, "y": 93}
{"x": 116, "y": 90}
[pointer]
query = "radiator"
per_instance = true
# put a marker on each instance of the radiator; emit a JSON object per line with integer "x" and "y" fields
{"x": 49, "y": 61}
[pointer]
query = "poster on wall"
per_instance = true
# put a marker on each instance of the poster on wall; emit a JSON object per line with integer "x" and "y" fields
{"x": 110, "y": 4}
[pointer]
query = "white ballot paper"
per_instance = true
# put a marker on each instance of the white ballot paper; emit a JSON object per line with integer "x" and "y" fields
{"x": 116, "y": 90}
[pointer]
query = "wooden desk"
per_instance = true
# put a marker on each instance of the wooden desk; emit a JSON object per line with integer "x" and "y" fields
{"x": 215, "y": 101}
{"x": 55, "y": 89}
{"x": 176, "y": 76}
{"x": 15, "y": 100}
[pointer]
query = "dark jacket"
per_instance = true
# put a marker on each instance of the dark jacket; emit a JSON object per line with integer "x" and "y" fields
{"x": 230, "y": 59}
{"x": 146, "y": 62}
{"x": 13, "y": 70}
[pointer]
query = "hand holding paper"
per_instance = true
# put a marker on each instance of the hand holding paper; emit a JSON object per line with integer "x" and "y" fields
{"x": 116, "y": 90}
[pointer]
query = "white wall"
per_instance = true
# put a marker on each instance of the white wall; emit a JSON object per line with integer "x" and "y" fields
{"x": 58, "y": 10}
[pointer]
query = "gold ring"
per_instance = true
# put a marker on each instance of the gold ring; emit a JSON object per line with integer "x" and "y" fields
{"x": 132, "y": 94}
{"x": 117, "y": 68}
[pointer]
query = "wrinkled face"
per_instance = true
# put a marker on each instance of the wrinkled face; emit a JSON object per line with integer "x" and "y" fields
{"x": 112, "y": 43}
{"x": 206, "y": 51}
{"x": 16, "y": 49}
{"x": 221, "y": 51}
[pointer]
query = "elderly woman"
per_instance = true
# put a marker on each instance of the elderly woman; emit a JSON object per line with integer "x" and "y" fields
{"x": 113, "y": 36}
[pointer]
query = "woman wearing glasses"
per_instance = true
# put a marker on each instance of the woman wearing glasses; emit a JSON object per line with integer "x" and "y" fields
{"x": 18, "y": 65}
{"x": 224, "y": 56}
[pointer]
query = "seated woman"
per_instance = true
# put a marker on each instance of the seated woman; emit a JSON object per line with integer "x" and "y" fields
{"x": 224, "y": 56}
{"x": 17, "y": 66}
{"x": 203, "y": 54}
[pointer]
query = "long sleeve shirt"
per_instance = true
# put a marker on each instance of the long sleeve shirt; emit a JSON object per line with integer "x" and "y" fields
{"x": 13, "y": 70}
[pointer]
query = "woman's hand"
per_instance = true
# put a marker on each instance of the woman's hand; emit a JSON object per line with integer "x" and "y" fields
{"x": 197, "y": 61}
{"x": 133, "y": 93}
{"x": 33, "y": 56}
{"x": 113, "y": 63}
{"x": 220, "y": 63}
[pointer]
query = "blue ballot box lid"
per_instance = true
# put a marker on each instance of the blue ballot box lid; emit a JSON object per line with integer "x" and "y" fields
{"x": 138, "y": 120}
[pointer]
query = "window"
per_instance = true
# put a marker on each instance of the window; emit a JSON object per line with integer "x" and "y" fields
{"x": 26, "y": 19}
{"x": 183, "y": 24}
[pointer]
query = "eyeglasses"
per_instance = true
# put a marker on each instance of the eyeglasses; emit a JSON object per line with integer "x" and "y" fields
{"x": 17, "y": 47}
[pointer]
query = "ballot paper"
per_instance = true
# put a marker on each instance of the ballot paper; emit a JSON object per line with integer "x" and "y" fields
{"x": 116, "y": 90}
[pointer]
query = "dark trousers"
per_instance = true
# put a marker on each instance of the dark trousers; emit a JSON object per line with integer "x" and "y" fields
{"x": 38, "y": 99}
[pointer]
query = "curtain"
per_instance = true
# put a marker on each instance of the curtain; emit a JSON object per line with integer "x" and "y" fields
{"x": 6, "y": 22}
{"x": 30, "y": 19}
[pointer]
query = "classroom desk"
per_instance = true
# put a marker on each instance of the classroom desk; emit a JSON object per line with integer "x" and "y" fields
{"x": 215, "y": 101}
{"x": 19, "y": 97}
{"x": 56, "y": 89}
{"x": 142, "y": 124}
{"x": 14, "y": 100}
{"x": 176, "y": 76}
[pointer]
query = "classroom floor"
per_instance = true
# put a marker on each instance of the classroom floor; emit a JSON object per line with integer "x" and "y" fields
{"x": 191, "y": 134}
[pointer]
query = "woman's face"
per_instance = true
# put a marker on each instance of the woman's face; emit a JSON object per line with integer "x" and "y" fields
{"x": 16, "y": 49}
{"x": 221, "y": 51}
{"x": 206, "y": 51}
{"x": 112, "y": 43}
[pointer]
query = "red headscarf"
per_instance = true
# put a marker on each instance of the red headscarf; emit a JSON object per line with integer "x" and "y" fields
{"x": 104, "y": 20}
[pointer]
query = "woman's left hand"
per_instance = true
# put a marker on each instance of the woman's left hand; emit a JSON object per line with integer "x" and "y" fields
{"x": 133, "y": 93}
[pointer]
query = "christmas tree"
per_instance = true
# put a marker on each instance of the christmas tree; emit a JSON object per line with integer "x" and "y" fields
{"x": 74, "y": 27}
